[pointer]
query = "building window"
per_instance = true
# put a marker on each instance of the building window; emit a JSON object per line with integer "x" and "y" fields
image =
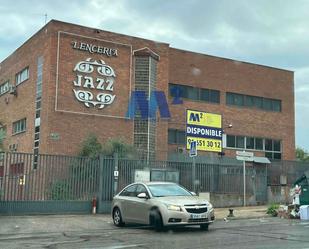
{"x": 240, "y": 142}
{"x": 271, "y": 147}
{"x": 22, "y": 76}
{"x": 230, "y": 141}
{"x": 259, "y": 144}
{"x": 235, "y": 99}
{"x": 250, "y": 143}
{"x": 249, "y": 101}
{"x": 194, "y": 93}
{"x": 19, "y": 126}
{"x": 268, "y": 144}
{"x": 258, "y": 102}
{"x": 176, "y": 136}
{"x": 5, "y": 87}
{"x": 2, "y": 132}
{"x": 253, "y": 102}
{"x": 277, "y": 145}
{"x": 276, "y": 105}
{"x": 214, "y": 96}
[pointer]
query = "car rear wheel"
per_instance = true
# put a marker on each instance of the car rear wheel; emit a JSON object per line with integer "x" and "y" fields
{"x": 204, "y": 227}
{"x": 117, "y": 218}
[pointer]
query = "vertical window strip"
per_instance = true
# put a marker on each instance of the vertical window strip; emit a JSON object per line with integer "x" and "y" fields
{"x": 38, "y": 104}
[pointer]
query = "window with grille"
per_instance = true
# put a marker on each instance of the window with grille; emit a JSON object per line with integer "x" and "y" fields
{"x": 22, "y": 76}
{"x": 19, "y": 126}
{"x": 5, "y": 87}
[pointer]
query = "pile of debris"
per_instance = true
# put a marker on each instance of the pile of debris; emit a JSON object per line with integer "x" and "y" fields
{"x": 289, "y": 211}
{"x": 294, "y": 210}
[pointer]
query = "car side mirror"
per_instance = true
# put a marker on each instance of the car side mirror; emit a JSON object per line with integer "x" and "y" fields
{"x": 193, "y": 193}
{"x": 142, "y": 196}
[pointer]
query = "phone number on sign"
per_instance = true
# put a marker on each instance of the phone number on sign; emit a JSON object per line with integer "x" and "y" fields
{"x": 205, "y": 144}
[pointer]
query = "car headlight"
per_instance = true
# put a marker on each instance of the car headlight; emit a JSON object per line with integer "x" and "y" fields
{"x": 174, "y": 207}
{"x": 210, "y": 206}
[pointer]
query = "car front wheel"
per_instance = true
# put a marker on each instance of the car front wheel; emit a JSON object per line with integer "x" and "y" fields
{"x": 156, "y": 220}
{"x": 117, "y": 218}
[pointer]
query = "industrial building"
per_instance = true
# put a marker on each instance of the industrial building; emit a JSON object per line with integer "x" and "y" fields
{"x": 68, "y": 81}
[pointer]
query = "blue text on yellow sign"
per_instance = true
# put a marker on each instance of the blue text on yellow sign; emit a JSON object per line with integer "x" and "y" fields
{"x": 204, "y": 119}
{"x": 204, "y": 128}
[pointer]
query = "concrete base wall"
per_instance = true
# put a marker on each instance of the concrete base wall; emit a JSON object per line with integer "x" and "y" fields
{"x": 279, "y": 194}
{"x": 275, "y": 194}
{"x": 231, "y": 200}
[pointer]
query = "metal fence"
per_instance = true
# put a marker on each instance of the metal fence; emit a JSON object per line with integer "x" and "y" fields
{"x": 214, "y": 178}
{"x": 28, "y": 180}
{"x": 285, "y": 172}
{"x": 63, "y": 184}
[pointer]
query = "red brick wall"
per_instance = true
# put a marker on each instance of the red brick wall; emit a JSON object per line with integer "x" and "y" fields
{"x": 226, "y": 75}
{"x": 73, "y": 128}
{"x": 13, "y": 108}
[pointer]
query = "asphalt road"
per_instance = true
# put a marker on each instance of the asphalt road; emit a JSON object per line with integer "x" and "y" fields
{"x": 238, "y": 234}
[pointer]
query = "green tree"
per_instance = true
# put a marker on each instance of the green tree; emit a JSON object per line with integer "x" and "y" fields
{"x": 90, "y": 147}
{"x": 302, "y": 155}
{"x": 119, "y": 146}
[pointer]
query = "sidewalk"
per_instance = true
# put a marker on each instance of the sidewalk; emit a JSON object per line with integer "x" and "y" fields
{"x": 249, "y": 212}
{"x": 19, "y": 225}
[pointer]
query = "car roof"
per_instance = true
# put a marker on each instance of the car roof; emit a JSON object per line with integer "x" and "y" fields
{"x": 156, "y": 183}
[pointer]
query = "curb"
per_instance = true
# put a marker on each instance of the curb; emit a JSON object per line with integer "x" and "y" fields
{"x": 244, "y": 217}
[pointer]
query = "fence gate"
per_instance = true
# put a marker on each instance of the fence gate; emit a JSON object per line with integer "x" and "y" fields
{"x": 260, "y": 186}
{"x": 47, "y": 184}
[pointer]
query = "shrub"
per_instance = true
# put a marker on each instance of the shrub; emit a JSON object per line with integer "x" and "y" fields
{"x": 273, "y": 210}
{"x": 61, "y": 190}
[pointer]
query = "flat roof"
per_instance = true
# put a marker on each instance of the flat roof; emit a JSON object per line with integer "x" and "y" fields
{"x": 224, "y": 58}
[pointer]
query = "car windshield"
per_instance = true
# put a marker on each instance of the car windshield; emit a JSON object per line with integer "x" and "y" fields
{"x": 161, "y": 190}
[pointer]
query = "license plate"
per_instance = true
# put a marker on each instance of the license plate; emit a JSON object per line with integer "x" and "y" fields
{"x": 198, "y": 216}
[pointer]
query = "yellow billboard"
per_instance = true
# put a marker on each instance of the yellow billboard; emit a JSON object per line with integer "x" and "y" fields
{"x": 204, "y": 128}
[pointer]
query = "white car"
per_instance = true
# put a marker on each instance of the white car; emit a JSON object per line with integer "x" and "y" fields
{"x": 161, "y": 204}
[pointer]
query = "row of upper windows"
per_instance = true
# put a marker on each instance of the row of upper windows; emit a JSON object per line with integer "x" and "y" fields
{"x": 194, "y": 93}
{"x": 213, "y": 96}
{"x": 253, "y": 143}
{"x": 20, "y": 77}
{"x": 271, "y": 147}
{"x": 253, "y": 102}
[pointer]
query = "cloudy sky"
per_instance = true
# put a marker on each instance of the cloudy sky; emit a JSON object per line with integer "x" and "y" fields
{"x": 273, "y": 33}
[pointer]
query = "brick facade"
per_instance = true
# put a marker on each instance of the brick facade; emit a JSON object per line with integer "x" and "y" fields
{"x": 65, "y": 121}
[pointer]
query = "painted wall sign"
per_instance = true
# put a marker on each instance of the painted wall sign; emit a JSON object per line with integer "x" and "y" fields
{"x": 85, "y": 84}
{"x": 204, "y": 128}
{"x": 92, "y": 48}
